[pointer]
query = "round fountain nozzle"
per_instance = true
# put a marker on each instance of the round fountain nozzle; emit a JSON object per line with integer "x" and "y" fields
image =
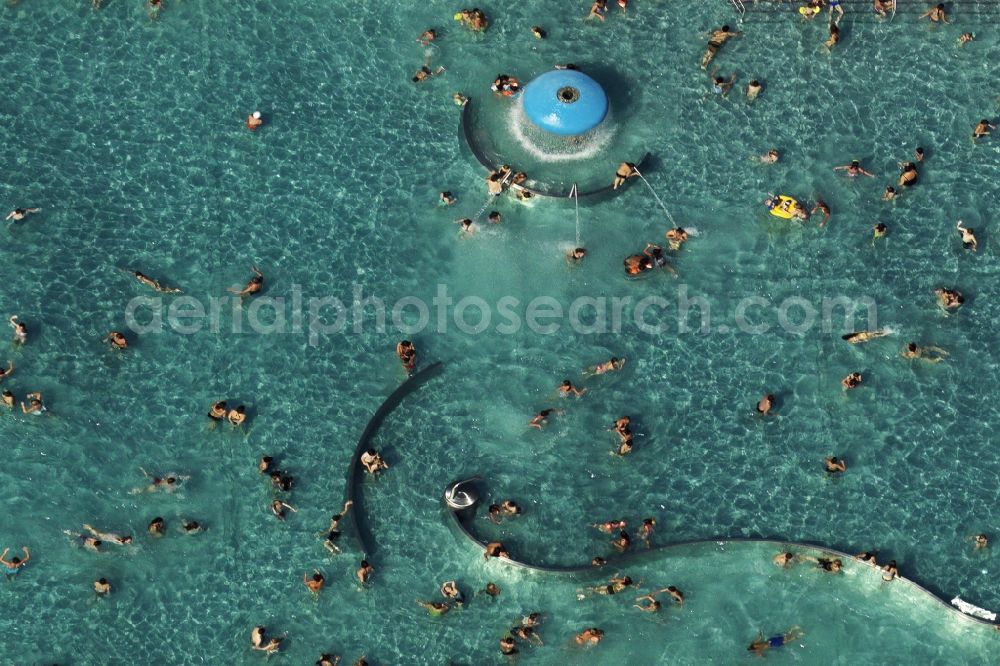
{"x": 568, "y": 95}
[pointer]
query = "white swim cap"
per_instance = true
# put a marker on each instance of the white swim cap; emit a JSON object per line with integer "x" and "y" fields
{"x": 256, "y": 114}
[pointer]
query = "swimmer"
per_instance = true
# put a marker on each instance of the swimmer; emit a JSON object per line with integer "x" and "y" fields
{"x": 638, "y": 263}
{"x": 465, "y": 226}
{"x": 497, "y": 180}
{"x": 930, "y": 353}
{"x": 614, "y": 586}
{"x": 760, "y": 644}
{"x": 315, "y": 582}
{"x": 784, "y": 560}
{"x": 918, "y": 154}
{"x": 882, "y": 8}
{"x": 282, "y": 481}
{"x": 154, "y": 7}
{"x": 621, "y": 426}
{"x": 834, "y": 36}
{"x": 625, "y": 447}
{"x": 851, "y": 381}
{"x": 510, "y": 508}
{"x": 449, "y": 590}
{"x": 426, "y": 37}
{"x": 8, "y": 399}
{"x": 646, "y": 530}
{"x": 20, "y": 330}
{"x": 609, "y": 526}
{"x": 333, "y": 532}
{"x": 527, "y": 634}
{"x": 4, "y": 374}
{"x": 254, "y": 121}
{"x": 494, "y": 217}
{"x": 328, "y": 660}
{"x": 14, "y": 565}
{"x": 576, "y": 255}
{"x": 257, "y": 641}
{"x": 889, "y": 194}
{"x": 676, "y": 238}
{"x": 190, "y": 526}
{"x": 474, "y": 19}
{"x": 811, "y": 10}
{"x": 822, "y": 207}
{"x": 155, "y": 284}
{"x": 19, "y": 214}
{"x": 949, "y": 299}
{"x": 255, "y": 284}
{"x": 968, "y": 237}
{"x": 157, "y": 527}
{"x": 435, "y": 608}
{"x": 753, "y": 89}
{"x": 624, "y": 171}
{"x": 868, "y": 557}
{"x": 890, "y": 571}
{"x": 835, "y": 466}
{"x": 538, "y": 32}
{"x": 373, "y": 462}
{"x": 117, "y": 340}
{"x": 864, "y": 336}
{"x": 495, "y": 549}
{"x": 567, "y": 389}
{"x": 425, "y": 73}
{"x": 979, "y": 541}
{"x": 597, "y": 10}
{"x": 908, "y": 175}
{"x": 936, "y": 14}
{"x": 612, "y": 365}
{"x": 493, "y": 514}
{"x": 770, "y": 157}
{"x": 835, "y": 5}
{"x": 238, "y": 416}
{"x": 722, "y": 87}
{"x": 364, "y": 572}
{"x": 110, "y": 537}
{"x": 589, "y": 636}
{"x": 35, "y": 405}
{"x": 655, "y": 252}
{"x": 218, "y": 411}
{"x": 278, "y": 509}
{"x": 102, "y": 587}
{"x": 541, "y": 419}
{"x": 827, "y": 565}
{"x": 879, "y": 231}
{"x": 765, "y": 404}
{"x": 621, "y": 542}
{"x": 406, "y": 352}
{"x": 447, "y": 198}
{"x": 90, "y": 543}
{"x": 492, "y": 590}
{"x": 853, "y": 169}
{"x": 598, "y": 562}
{"x": 965, "y": 38}
{"x": 715, "y": 41}
{"x": 507, "y": 646}
{"x": 459, "y": 99}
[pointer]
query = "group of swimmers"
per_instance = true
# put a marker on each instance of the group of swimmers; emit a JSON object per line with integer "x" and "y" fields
{"x": 834, "y": 565}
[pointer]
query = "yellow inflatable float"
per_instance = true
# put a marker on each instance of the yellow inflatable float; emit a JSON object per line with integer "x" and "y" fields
{"x": 783, "y": 207}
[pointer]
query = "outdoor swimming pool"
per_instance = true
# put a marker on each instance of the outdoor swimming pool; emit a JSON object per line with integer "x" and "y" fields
{"x": 129, "y": 134}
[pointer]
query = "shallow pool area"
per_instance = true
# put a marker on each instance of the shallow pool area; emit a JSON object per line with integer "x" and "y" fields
{"x": 129, "y": 134}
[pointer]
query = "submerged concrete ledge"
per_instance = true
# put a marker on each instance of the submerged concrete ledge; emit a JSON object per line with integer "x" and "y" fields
{"x": 411, "y": 384}
{"x": 462, "y": 518}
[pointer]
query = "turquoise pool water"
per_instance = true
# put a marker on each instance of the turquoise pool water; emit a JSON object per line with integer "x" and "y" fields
{"x": 128, "y": 133}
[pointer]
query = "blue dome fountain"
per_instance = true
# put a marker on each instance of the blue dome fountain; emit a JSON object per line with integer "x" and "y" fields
{"x": 565, "y": 102}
